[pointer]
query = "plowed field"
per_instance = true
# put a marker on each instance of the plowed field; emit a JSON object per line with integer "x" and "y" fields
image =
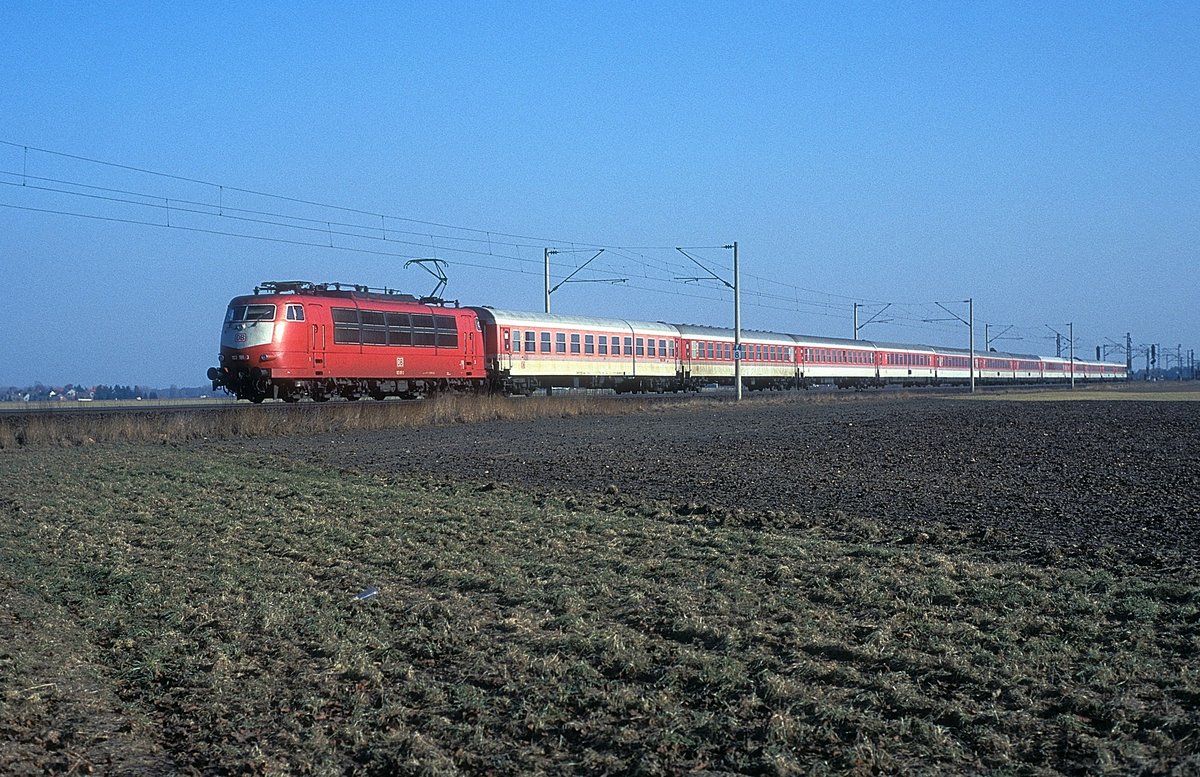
{"x": 1058, "y": 478}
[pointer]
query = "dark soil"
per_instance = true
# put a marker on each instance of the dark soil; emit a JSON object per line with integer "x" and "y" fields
{"x": 1060, "y": 479}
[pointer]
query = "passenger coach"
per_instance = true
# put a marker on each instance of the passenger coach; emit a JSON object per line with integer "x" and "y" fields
{"x": 529, "y": 351}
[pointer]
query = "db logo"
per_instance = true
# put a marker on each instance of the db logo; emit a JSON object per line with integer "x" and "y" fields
{"x": 241, "y": 338}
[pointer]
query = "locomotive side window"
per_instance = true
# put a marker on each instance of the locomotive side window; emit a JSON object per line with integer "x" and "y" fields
{"x": 399, "y": 329}
{"x": 295, "y": 313}
{"x": 374, "y": 327}
{"x": 345, "y": 326}
{"x": 447, "y": 331}
{"x": 424, "y": 332}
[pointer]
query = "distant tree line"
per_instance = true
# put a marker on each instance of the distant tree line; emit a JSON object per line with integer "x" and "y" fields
{"x": 118, "y": 392}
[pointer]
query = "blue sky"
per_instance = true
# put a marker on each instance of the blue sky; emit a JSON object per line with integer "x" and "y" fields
{"x": 1042, "y": 158}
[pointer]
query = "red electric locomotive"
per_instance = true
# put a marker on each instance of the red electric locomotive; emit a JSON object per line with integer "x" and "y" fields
{"x": 294, "y": 339}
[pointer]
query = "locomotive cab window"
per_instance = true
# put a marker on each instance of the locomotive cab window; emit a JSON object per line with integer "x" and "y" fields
{"x": 295, "y": 313}
{"x": 250, "y": 313}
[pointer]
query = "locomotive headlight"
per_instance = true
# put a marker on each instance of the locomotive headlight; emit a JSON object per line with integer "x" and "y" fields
{"x": 266, "y": 357}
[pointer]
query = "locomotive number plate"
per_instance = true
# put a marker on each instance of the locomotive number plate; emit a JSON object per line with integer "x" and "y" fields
{"x": 399, "y": 362}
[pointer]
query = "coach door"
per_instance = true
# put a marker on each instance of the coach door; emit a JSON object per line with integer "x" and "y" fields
{"x": 505, "y": 347}
{"x": 318, "y": 336}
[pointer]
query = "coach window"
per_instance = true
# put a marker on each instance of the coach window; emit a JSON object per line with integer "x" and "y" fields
{"x": 575, "y": 344}
{"x": 641, "y": 347}
{"x": 545, "y": 342}
{"x": 589, "y": 344}
{"x": 603, "y": 345}
{"x": 345, "y": 326}
{"x": 516, "y": 340}
{"x": 530, "y": 341}
{"x": 629, "y": 346}
{"x": 560, "y": 342}
{"x": 671, "y": 348}
{"x": 650, "y": 350}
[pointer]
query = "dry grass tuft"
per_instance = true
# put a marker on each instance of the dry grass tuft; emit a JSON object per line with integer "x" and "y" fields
{"x": 244, "y": 421}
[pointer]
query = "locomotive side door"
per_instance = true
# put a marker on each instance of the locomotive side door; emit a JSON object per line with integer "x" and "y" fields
{"x": 471, "y": 355}
{"x": 318, "y": 336}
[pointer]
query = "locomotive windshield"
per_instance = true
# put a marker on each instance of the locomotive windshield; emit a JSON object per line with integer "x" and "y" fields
{"x": 250, "y": 313}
